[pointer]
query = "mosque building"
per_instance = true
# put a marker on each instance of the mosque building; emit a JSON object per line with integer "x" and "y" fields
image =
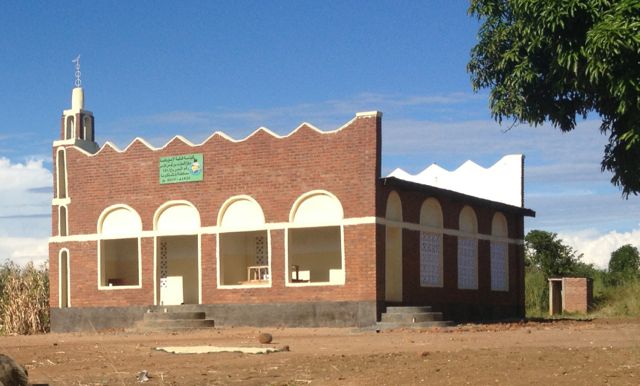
{"x": 294, "y": 230}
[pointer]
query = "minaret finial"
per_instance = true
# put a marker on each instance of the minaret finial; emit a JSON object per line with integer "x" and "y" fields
{"x": 78, "y": 82}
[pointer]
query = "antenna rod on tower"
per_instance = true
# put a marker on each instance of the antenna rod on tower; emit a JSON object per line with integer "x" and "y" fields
{"x": 77, "y": 82}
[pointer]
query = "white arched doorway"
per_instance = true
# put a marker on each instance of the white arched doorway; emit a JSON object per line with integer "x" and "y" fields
{"x": 178, "y": 276}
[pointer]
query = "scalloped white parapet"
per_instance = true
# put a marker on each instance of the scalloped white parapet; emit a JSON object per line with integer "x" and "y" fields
{"x": 502, "y": 182}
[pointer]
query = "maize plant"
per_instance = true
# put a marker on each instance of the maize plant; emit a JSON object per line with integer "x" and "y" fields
{"x": 24, "y": 299}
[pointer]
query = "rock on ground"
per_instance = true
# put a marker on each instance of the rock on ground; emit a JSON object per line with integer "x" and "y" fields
{"x": 12, "y": 373}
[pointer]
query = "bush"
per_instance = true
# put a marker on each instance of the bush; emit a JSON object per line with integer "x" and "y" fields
{"x": 622, "y": 300}
{"x": 24, "y": 299}
{"x": 536, "y": 293}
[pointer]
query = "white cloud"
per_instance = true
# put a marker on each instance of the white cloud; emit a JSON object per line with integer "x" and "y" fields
{"x": 596, "y": 247}
{"x": 21, "y": 250}
{"x": 23, "y": 176}
{"x": 25, "y": 188}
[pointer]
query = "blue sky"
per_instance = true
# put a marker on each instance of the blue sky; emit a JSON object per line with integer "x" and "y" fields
{"x": 157, "y": 69}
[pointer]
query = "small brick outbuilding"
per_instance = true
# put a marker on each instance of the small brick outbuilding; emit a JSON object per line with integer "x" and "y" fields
{"x": 570, "y": 294}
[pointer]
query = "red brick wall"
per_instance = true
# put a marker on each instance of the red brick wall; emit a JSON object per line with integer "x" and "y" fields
{"x": 577, "y": 294}
{"x": 451, "y": 206}
{"x": 274, "y": 171}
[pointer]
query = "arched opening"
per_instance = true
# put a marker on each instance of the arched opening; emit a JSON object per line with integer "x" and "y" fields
{"x": 499, "y": 253}
{"x": 62, "y": 221}
{"x": 64, "y": 297}
{"x": 314, "y": 240}
{"x": 61, "y": 174}
{"x": 87, "y": 128}
{"x": 69, "y": 128}
{"x": 178, "y": 253}
{"x": 431, "y": 255}
{"x": 119, "y": 263}
{"x": 243, "y": 244}
{"x": 468, "y": 249}
{"x": 393, "y": 249}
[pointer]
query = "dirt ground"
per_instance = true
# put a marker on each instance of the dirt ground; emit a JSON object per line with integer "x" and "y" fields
{"x": 560, "y": 352}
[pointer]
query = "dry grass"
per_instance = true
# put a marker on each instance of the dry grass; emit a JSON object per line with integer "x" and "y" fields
{"x": 622, "y": 300}
{"x": 24, "y": 299}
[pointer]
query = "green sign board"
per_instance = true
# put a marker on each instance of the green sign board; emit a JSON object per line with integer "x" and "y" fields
{"x": 181, "y": 168}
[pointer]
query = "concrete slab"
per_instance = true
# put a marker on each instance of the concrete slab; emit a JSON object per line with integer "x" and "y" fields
{"x": 216, "y": 349}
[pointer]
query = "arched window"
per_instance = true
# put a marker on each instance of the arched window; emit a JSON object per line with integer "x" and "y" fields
{"x": 393, "y": 248}
{"x": 61, "y": 174}
{"x": 178, "y": 253}
{"x": 87, "y": 128}
{"x": 468, "y": 250}
{"x": 119, "y": 229}
{"x": 69, "y": 128}
{"x": 63, "y": 223}
{"x": 499, "y": 253}
{"x": 64, "y": 297}
{"x": 431, "y": 256}
{"x": 314, "y": 240}
{"x": 243, "y": 244}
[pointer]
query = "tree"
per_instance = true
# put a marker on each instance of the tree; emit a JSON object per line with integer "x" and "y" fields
{"x": 625, "y": 262}
{"x": 549, "y": 254}
{"x": 549, "y": 60}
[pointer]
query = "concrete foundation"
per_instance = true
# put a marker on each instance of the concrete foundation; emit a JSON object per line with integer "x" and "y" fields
{"x": 313, "y": 314}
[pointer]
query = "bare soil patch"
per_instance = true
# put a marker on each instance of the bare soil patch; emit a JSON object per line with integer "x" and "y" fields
{"x": 560, "y": 352}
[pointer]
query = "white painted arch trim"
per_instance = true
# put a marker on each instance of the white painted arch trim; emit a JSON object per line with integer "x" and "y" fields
{"x": 310, "y": 209}
{"x": 68, "y": 278}
{"x": 241, "y": 213}
{"x": 447, "y": 231}
{"x": 133, "y": 227}
{"x": 191, "y": 227}
{"x": 354, "y": 221}
{"x": 63, "y": 151}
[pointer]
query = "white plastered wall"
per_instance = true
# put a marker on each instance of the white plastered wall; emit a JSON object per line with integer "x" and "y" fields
{"x": 393, "y": 249}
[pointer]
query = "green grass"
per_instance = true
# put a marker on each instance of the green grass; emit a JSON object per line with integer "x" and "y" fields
{"x": 620, "y": 301}
{"x": 610, "y": 300}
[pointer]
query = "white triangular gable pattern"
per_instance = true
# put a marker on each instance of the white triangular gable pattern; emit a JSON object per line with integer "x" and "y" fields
{"x": 502, "y": 182}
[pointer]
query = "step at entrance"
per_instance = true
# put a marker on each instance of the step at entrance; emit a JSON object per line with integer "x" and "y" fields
{"x": 172, "y": 320}
{"x": 412, "y": 317}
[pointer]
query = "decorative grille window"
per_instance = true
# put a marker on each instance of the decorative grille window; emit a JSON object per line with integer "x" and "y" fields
{"x": 467, "y": 263}
{"x": 499, "y": 267}
{"x": 430, "y": 261}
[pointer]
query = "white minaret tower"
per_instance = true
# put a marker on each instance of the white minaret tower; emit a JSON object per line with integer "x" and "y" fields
{"x": 78, "y": 123}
